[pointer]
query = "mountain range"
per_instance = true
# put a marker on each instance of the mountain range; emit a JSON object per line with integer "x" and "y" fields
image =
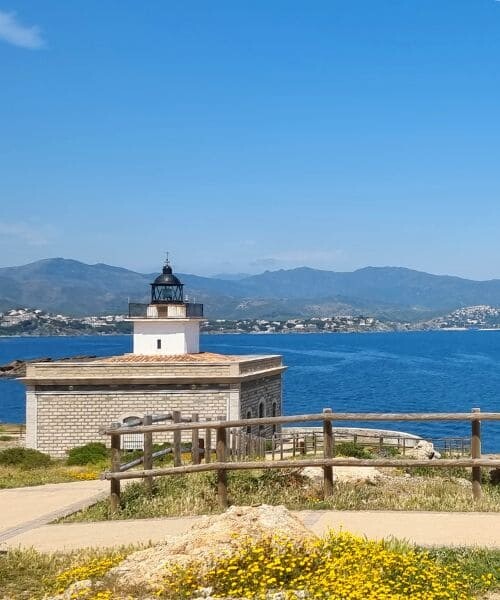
{"x": 75, "y": 288}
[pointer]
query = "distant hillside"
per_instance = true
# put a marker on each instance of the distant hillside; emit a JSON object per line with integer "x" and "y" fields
{"x": 75, "y": 288}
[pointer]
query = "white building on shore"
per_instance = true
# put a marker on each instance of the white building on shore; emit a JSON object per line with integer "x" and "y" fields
{"x": 68, "y": 402}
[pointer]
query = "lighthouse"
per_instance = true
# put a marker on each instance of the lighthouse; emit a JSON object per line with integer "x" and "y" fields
{"x": 68, "y": 402}
{"x": 168, "y": 325}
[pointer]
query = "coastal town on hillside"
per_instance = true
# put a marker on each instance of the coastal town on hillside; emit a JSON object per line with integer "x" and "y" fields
{"x": 26, "y": 321}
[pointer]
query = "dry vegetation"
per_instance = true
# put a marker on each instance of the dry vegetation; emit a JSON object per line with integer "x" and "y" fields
{"x": 58, "y": 472}
{"x": 196, "y": 494}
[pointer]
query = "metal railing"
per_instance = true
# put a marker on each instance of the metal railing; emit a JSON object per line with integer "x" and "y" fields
{"x": 140, "y": 310}
{"x": 312, "y": 442}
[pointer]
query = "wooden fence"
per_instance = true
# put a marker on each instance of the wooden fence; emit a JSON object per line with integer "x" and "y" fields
{"x": 225, "y": 447}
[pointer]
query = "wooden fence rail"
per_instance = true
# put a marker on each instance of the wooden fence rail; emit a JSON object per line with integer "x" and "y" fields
{"x": 234, "y": 448}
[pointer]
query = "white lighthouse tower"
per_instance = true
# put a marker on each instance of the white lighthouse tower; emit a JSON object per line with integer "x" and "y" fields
{"x": 168, "y": 325}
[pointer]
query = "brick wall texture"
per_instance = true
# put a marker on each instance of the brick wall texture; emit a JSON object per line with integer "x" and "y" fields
{"x": 257, "y": 398}
{"x": 63, "y": 419}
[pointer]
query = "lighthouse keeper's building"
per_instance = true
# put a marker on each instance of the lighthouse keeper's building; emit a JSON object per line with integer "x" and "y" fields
{"x": 68, "y": 401}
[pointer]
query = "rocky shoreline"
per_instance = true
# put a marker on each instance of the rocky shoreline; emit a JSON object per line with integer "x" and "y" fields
{"x": 17, "y": 368}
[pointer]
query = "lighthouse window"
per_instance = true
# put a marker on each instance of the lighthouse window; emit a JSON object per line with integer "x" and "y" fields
{"x": 158, "y": 344}
{"x": 261, "y": 415}
{"x": 249, "y": 416}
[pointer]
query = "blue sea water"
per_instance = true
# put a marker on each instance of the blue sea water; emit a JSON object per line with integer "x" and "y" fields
{"x": 391, "y": 372}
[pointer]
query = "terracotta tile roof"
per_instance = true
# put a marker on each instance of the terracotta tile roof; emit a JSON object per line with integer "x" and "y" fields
{"x": 202, "y": 357}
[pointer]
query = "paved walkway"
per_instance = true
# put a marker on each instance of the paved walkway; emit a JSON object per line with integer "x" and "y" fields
{"x": 26, "y": 514}
{"x": 24, "y": 509}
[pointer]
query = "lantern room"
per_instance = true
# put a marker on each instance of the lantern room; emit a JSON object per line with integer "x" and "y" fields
{"x": 167, "y": 325}
{"x": 167, "y": 287}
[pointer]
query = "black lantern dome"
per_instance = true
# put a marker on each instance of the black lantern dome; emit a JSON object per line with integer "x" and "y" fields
{"x": 167, "y": 287}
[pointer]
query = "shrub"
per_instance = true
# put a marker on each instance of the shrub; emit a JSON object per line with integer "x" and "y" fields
{"x": 495, "y": 476}
{"x": 338, "y": 566}
{"x": 387, "y": 452}
{"x": 352, "y": 449}
{"x": 5, "y": 438}
{"x": 89, "y": 454}
{"x": 26, "y": 458}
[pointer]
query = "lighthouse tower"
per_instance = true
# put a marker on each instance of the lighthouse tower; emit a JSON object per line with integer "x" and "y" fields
{"x": 168, "y": 325}
{"x": 165, "y": 372}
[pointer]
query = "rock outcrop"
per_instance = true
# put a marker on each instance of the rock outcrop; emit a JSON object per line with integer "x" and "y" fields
{"x": 17, "y": 368}
{"x": 210, "y": 537}
{"x": 423, "y": 450}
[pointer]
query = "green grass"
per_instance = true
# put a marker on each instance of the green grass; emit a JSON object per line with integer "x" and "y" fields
{"x": 195, "y": 494}
{"x": 476, "y": 562}
{"x": 14, "y": 476}
{"x": 31, "y": 575}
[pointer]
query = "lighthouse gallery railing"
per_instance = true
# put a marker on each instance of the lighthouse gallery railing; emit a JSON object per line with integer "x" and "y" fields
{"x": 139, "y": 310}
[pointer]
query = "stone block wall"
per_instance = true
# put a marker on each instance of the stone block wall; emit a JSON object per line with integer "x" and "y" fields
{"x": 259, "y": 364}
{"x": 73, "y": 418}
{"x": 67, "y": 403}
{"x": 259, "y": 396}
{"x": 96, "y": 370}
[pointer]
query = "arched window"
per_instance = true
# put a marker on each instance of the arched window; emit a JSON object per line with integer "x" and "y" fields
{"x": 261, "y": 416}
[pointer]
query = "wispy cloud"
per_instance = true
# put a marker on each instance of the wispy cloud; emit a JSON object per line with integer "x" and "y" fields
{"x": 27, "y": 233}
{"x": 13, "y": 32}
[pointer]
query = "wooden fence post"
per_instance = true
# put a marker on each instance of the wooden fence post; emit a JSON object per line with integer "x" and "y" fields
{"x": 239, "y": 445}
{"x": 148, "y": 452}
{"x": 328, "y": 453}
{"x": 234, "y": 444}
{"x": 476, "y": 453}
{"x": 221, "y": 450}
{"x": 176, "y": 418}
{"x": 115, "y": 468}
{"x": 195, "y": 448}
{"x": 208, "y": 444}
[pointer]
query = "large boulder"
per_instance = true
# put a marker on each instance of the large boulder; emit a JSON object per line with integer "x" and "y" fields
{"x": 423, "y": 450}
{"x": 210, "y": 538}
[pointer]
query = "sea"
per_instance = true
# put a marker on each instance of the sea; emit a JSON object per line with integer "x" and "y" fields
{"x": 432, "y": 371}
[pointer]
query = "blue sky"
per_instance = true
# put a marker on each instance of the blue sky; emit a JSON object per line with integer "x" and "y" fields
{"x": 252, "y": 135}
